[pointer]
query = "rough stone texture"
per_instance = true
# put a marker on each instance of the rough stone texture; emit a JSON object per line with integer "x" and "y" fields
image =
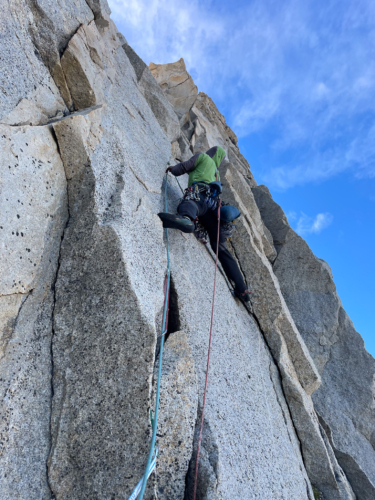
{"x": 202, "y": 124}
{"x": 272, "y": 216}
{"x": 345, "y": 400}
{"x": 101, "y": 11}
{"x": 23, "y": 75}
{"x": 178, "y": 412}
{"x": 287, "y": 346}
{"x": 162, "y": 109}
{"x": 268, "y": 303}
{"x": 109, "y": 290}
{"x": 50, "y": 30}
{"x": 177, "y": 85}
{"x": 83, "y": 63}
{"x": 241, "y": 398}
{"x": 33, "y": 184}
{"x": 105, "y": 311}
{"x": 100, "y": 8}
{"x": 36, "y": 112}
{"x": 33, "y": 214}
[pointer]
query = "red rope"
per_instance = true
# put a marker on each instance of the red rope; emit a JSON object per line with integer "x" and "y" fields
{"x": 208, "y": 358}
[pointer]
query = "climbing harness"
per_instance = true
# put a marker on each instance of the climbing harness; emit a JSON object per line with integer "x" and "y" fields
{"x": 210, "y": 191}
{"x": 208, "y": 358}
{"x": 192, "y": 193}
{"x": 229, "y": 285}
{"x": 152, "y": 452}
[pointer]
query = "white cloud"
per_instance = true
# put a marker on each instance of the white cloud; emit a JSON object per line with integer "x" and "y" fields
{"x": 291, "y": 216}
{"x": 361, "y": 152}
{"x": 308, "y": 224}
{"x": 304, "y": 70}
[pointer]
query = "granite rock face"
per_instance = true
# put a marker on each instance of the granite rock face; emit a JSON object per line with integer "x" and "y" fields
{"x": 162, "y": 109}
{"x": 241, "y": 399}
{"x": 178, "y": 411}
{"x": 297, "y": 368}
{"x": 202, "y": 124}
{"x": 87, "y": 131}
{"x": 345, "y": 400}
{"x": 24, "y": 80}
{"x": 177, "y": 85}
{"x": 33, "y": 213}
{"x": 109, "y": 287}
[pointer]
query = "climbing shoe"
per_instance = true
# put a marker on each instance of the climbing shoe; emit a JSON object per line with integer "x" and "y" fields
{"x": 243, "y": 296}
{"x": 201, "y": 233}
{"x": 171, "y": 221}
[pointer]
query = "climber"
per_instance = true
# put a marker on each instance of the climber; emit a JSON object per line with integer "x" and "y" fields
{"x": 200, "y": 204}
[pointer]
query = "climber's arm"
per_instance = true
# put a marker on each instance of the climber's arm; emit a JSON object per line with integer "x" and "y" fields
{"x": 184, "y": 167}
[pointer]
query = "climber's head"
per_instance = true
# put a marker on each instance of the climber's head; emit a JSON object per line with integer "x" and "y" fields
{"x": 219, "y": 156}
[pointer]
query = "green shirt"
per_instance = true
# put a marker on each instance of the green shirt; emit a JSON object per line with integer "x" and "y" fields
{"x": 205, "y": 170}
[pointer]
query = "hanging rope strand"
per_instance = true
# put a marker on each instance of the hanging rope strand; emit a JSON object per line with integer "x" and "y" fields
{"x": 208, "y": 357}
{"x": 165, "y": 322}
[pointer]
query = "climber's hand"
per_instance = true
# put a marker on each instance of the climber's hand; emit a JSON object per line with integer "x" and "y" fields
{"x": 169, "y": 169}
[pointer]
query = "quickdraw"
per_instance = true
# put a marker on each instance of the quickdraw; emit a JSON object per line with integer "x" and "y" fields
{"x": 192, "y": 193}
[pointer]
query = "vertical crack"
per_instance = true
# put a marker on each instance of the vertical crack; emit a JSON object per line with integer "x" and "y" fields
{"x": 174, "y": 324}
{"x": 238, "y": 262}
{"x": 53, "y": 288}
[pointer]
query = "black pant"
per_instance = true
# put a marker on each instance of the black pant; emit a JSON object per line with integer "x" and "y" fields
{"x": 208, "y": 218}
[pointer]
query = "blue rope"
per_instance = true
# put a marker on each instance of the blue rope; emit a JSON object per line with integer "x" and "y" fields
{"x": 179, "y": 185}
{"x": 155, "y": 424}
{"x": 137, "y": 489}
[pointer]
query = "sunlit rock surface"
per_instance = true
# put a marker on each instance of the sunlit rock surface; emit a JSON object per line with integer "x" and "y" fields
{"x": 87, "y": 131}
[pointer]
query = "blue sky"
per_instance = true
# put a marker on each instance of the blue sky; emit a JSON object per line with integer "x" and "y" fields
{"x": 296, "y": 82}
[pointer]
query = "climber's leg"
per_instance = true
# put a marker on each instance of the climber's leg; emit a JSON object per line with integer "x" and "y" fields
{"x": 192, "y": 208}
{"x": 188, "y": 211}
{"x": 171, "y": 221}
{"x": 209, "y": 220}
